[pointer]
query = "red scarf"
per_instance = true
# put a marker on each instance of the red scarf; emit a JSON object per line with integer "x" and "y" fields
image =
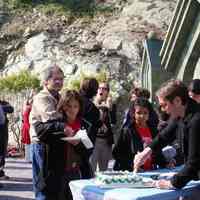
{"x": 76, "y": 125}
{"x": 70, "y": 154}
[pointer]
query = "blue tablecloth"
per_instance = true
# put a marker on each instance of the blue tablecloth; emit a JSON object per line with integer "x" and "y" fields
{"x": 88, "y": 190}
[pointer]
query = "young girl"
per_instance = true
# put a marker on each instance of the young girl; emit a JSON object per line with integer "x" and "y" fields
{"x": 135, "y": 137}
{"x": 76, "y": 154}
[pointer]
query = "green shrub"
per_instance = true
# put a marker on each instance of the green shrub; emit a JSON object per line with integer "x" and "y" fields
{"x": 75, "y": 8}
{"x": 74, "y": 5}
{"x": 74, "y": 82}
{"x": 19, "y": 82}
{"x": 18, "y": 4}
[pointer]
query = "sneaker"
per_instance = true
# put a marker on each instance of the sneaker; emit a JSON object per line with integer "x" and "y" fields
{"x": 4, "y": 177}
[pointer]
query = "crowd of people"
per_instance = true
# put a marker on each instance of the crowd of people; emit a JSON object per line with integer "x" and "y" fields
{"x": 149, "y": 138}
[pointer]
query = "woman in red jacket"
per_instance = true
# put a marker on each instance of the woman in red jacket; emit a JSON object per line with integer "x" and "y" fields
{"x": 25, "y": 129}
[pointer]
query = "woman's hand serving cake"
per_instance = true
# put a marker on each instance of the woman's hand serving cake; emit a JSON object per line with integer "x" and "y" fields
{"x": 140, "y": 158}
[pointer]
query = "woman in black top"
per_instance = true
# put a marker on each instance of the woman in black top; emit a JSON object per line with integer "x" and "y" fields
{"x": 135, "y": 136}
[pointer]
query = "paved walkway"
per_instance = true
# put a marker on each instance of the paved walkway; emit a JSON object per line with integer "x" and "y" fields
{"x": 19, "y": 186}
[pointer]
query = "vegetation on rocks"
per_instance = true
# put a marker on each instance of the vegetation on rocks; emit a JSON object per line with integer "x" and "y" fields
{"x": 78, "y": 8}
{"x": 80, "y": 36}
{"x": 74, "y": 82}
{"x": 24, "y": 80}
{"x": 18, "y": 82}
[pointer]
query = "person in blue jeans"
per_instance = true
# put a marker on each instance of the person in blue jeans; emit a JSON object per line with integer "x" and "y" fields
{"x": 75, "y": 162}
{"x": 38, "y": 163}
{"x": 47, "y": 148}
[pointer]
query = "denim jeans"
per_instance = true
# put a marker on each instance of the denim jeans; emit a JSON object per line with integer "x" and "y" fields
{"x": 41, "y": 182}
{"x": 38, "y": 151}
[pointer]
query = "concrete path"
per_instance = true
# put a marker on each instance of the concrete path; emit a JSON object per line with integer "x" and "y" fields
{"x": 19, "y": 186}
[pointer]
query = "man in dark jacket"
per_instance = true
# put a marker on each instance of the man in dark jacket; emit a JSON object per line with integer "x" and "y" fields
{"x": 6, "y": 108}
{"x": 185, "y": 114}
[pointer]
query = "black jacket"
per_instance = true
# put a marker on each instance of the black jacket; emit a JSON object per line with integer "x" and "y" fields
{"x": 186, "y": 131}
{"x": 92, "y": 115}
{"x": 7, "y": 108}
{"x": 128, "y": 144}
{"x": 50, "y": 134}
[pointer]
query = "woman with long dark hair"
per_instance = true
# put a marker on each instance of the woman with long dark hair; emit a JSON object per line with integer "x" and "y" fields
{"x": 135, "y": 137}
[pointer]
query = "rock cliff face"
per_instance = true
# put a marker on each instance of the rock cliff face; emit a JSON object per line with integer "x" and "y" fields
{"x": 32, "y": 40}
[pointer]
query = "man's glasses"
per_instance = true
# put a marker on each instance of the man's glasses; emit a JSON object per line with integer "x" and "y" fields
{"x": 103, "y": 88}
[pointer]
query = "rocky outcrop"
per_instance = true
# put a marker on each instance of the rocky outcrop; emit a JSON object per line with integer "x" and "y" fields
{"x": 113, "y": 41}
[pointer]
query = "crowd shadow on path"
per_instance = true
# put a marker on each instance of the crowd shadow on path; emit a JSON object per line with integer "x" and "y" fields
{"x": 16, "y": 161}
{"x": 18, "y": 167}
{"x": 18, "y": 179}
{"x": 6, "y": 197}
{"x": 12, "y": 187}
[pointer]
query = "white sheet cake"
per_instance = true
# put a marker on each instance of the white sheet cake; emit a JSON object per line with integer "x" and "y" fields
{"x": 119, "y": 179}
